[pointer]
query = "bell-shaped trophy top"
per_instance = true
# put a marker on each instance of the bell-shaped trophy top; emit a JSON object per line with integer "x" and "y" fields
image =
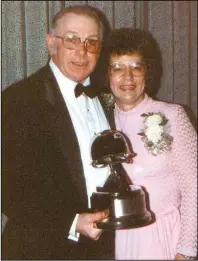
{"x": 111, "y": 147}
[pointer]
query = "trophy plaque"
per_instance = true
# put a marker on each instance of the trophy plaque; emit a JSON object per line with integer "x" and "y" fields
{"x": 125, "y": 202}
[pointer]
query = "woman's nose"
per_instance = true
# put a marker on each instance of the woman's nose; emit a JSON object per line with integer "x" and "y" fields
{"x": 128, "y": 72}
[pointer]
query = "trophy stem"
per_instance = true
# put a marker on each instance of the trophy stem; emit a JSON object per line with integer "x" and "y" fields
{"x": 122, "y": 181}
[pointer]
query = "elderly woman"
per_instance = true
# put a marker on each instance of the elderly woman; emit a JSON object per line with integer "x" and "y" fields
{"x": 166, "y": 145}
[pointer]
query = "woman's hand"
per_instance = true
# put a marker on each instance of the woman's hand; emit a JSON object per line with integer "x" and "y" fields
{"x": 182, "y": 257}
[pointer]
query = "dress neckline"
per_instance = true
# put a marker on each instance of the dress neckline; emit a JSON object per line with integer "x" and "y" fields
{"x": 138, "y": 109}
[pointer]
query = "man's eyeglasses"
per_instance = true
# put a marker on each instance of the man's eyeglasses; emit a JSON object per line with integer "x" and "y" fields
{"x": 117, "y": 69}
{"x": 72, "y": 42}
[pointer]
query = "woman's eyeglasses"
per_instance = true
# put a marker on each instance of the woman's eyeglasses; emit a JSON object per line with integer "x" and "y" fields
{"x": 72, "y": 42}
{"x": 118, "y": 69}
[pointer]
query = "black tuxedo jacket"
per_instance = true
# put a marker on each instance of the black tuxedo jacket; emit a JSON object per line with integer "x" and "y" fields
{"x": 43, "y": 185}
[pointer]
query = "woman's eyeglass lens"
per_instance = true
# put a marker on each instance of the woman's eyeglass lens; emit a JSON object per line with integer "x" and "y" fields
{"x": 119, "y": 69}
{"x": 72, "y": 42}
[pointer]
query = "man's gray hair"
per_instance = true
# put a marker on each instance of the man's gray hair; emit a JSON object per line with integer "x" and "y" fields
{"x": 84, "y": 10}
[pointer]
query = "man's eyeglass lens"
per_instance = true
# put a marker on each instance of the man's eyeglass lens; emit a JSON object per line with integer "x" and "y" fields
{"x": 118, "y": 69}
{"x": 72, "y": 42}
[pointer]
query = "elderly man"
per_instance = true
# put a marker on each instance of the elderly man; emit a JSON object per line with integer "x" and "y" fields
{"x": 49, "y": 122}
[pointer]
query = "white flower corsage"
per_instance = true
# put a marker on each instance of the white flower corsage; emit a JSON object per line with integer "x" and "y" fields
{"x": 154, "y": 134}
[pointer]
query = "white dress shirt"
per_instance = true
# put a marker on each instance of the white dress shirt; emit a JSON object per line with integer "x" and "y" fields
{"x": 88, "y": 120}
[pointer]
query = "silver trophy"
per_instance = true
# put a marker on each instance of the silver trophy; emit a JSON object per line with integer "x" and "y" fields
{"x": 125, "y": 202}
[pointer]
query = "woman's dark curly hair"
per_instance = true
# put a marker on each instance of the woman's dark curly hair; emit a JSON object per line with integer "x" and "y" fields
{"x": 129, "y": 41}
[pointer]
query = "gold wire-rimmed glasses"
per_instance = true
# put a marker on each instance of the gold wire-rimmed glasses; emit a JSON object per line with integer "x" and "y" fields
{"x": 72, "y": 42}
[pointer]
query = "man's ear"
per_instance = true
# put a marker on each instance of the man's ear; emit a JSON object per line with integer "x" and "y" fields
{"x": 51, "y": 45}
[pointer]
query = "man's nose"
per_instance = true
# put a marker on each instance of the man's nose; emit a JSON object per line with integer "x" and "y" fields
{"x": 82, "y": 48}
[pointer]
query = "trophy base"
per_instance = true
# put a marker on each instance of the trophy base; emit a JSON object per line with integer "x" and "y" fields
{"x": 126, "y": 209}
{"x": 126, "y": 222}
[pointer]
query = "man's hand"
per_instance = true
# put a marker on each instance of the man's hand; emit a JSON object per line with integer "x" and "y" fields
{"x": 86, "y": 224}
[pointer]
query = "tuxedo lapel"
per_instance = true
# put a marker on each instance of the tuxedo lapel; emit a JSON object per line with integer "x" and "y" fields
{"x": 65, "y": 135}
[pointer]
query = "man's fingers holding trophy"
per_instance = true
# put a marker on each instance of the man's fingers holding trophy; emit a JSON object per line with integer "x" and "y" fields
{"x": 105, "y": 219}
{"x": 86, "y": 224}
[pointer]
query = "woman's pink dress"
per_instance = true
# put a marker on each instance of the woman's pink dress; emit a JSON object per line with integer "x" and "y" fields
{"x": 169, "y": 178}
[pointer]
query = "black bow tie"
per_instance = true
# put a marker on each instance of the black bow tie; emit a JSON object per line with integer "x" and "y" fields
{"x": 89, "y": 90}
